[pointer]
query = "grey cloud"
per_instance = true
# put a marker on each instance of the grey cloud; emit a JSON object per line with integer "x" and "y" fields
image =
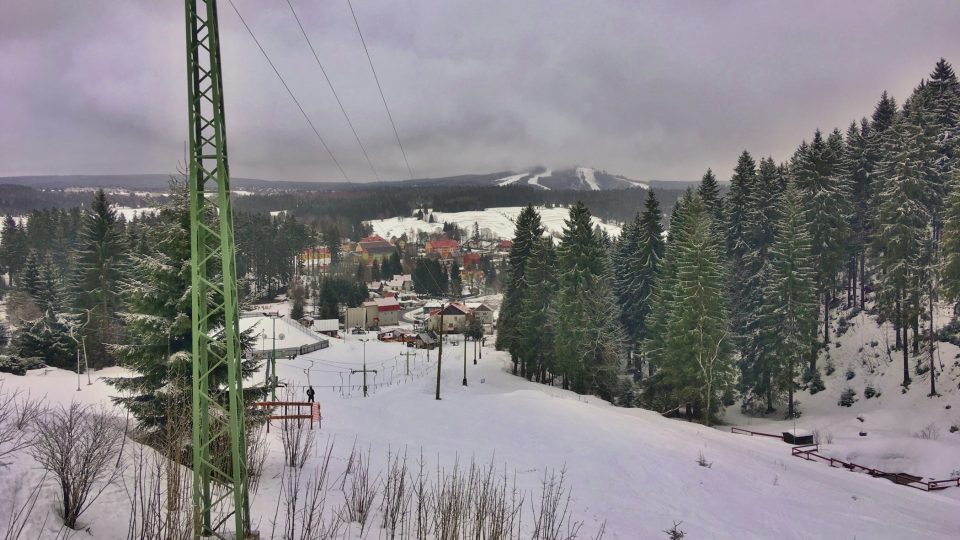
{"x": 648, "y": 89}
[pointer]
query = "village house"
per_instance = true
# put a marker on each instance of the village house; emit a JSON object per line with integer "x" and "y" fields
{"x": 374, "y": 248}
{"x": 482, "y": 312}
{"x": 382, "y": 312}
{"x": 443, "y": 248}
{"x": 455, "y": 317}
{"x": 314, "y": 261}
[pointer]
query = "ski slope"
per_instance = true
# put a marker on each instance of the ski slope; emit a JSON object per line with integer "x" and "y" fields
{"x": 630, "y": 468}
{"x": 499, "y": 221}
{"x": 588, "y": 176}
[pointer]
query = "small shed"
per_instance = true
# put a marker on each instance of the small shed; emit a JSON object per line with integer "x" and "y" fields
{"x": 425, "y": 340}
{"x": 797, "y": 436}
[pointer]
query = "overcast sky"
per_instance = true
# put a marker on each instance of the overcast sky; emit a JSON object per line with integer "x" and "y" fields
{"x": 652, "y": 90}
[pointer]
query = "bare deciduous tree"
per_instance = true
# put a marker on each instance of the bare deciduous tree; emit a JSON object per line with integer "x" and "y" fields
{"x": 80, "y": 447}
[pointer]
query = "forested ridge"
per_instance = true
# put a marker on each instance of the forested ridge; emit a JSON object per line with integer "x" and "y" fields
{"x": 737, "y": 303}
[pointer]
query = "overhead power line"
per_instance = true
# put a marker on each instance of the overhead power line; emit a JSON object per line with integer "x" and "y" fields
{"x": 330, "y": 84}
{"x": 380, "y": 88}
{"x": 290, "y": 92}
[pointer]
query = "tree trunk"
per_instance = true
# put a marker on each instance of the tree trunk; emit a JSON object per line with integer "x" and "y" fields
{"x": 853, "y": 274}
{"x": 906, "y": 357}
{"x": 826, "y": 319}
{"x": 863, "y": 281}
{"x": 769, "y": 387}
{"x": 790, "y": 412}
{"x": 933, "y": 343}
{"x": 897, "y": 325}
{"x": 916, "y": 334}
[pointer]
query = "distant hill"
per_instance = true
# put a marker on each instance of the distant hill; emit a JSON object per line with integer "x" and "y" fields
{"x": 578, "y": 178}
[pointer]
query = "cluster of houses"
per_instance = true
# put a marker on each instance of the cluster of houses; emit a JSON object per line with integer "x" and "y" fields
{"x": 315, "y": 261}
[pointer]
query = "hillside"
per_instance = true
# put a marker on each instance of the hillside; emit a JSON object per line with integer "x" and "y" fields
{"x": 906, "y": 430}
{"x": 630, "y": 468}
{"x": 498, "y": 221}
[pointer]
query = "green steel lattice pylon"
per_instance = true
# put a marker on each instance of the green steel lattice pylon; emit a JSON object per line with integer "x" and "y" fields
{"x": 218, "y": 418}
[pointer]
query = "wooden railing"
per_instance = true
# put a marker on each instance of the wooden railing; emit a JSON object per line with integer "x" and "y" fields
{"x": 810, "y": 452}
{"x": 311, "y": 416}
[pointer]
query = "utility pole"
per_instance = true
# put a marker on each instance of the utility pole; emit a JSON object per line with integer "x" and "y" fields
{"x": 364, "y": 370}
{"x": 407, "y": 355}
{"x": 464, "y": 357}
{"x": 217, "y": 406}
{"x": 440, "y": 351}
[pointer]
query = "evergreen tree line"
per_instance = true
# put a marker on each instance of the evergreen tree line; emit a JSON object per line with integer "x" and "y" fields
{"x": 68, "y": 270}
{"x": 737, "y": 302}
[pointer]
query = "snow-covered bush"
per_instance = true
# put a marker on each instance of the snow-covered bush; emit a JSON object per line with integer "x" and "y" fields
{"x": 849, "y": 374}
{"x": 702, "y": 461}
{"x": 870, "y": 392}
{"x": 11, "y": 364}
{"x": 814, "y": 381}
{"x": 848, "y": 397}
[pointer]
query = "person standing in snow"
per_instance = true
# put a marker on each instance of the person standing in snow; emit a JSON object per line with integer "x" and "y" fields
{"x": 310, "y": 394}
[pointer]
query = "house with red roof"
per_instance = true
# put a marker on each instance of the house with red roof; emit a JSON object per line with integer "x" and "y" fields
{"x": 444, "y": 248}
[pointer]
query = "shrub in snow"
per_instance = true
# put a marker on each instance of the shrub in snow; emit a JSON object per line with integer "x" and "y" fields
{"x": 702, "y": 461}
{"x": 11, "y": 364}
{"x": 830, "y": 368}
{"x": 674, "y": 533}
{"x": 849, "y": 374}
{"x": 870, "y": 392}
{"x": 842, "y": 326}
{"x": 954, "y": 428}
{"x": 79, "y": 447}
{"x": 930, "y": 432}
{"x": 814, "y": 381}
{"x": 848, "y": 397}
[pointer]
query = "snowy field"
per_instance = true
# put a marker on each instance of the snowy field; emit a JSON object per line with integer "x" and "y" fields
{"x": 630, "y": 468}
{"x": 499, "y": 221}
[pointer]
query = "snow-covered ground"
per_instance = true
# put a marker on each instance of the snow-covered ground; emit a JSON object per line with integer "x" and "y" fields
{"x": 499, "y": 221}
{"x": 894, "y": 421}
{"x": 631, "y": 468}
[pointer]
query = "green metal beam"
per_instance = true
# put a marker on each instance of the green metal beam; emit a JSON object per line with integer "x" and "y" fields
{"x": 218, "y": 409}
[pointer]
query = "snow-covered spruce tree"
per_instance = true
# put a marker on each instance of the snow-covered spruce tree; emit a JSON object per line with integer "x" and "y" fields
{"x": 659, "y": 392}
{"x": 652, "y": 249}
{"x": 50, "y": 294}
{"x": 752, "y": 340}
{"x": 158, "y": 322}
{"x": 819, "y": 176}
{"x": 589, "y": 339}
{"x": 741, "y": 220}
{"x": 856, "y": 170}
{"x": 95, "y": 286}
{"x": 709, "y": 191}
{"x": 636, "y": 260}
{"x": 13, "y": 248}
{"x": 697, "y": 360}
{"x": 527, "y": 231}
{"x": 47, "y": 338}
{"x": 536, "y": 323}
{"x": 790, "y": 310}
{"x": 29, "y": 280}
{"x": 901, "y": 226}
